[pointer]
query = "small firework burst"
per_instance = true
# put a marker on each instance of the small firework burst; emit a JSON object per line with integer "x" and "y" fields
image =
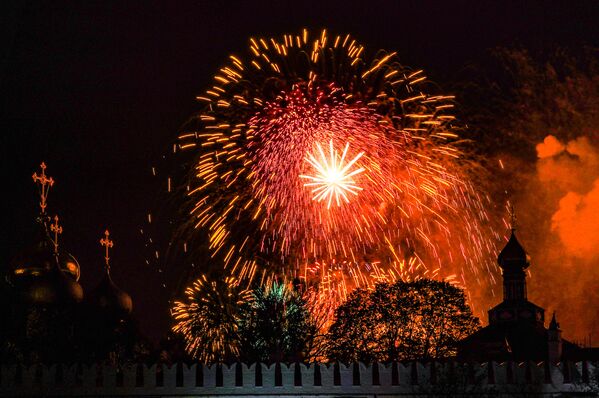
{"x": 208, "y": 319}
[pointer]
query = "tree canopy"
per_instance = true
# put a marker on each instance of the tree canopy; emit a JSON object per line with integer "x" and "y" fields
{"x": 275, "y": 325}
{"x": 402, "y": 321}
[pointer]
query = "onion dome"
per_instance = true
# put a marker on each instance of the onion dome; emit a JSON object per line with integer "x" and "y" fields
{"x": 51, "y": 288}
{"x": 36, "y": 259}
{"x": 38, "y": 272}
{"x": 39, "y": 258}
{"x": 108, "y": 297}
{"x": 513, "y": 255}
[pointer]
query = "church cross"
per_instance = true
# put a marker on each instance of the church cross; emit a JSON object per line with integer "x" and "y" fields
{"x": 107, "y": 243}
{"x": 45, "y": 183}
{"x": 57, "y": 229}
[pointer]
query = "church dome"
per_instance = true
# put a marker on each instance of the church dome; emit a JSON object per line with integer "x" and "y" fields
{"x": 52, "y": 287}
{"x": 40, "y": 257}
{"x": 109, "y": 298}
{"x": 513, "y": 254}
{"x": 36, "y": 259}
{"x": 41, "y": 276}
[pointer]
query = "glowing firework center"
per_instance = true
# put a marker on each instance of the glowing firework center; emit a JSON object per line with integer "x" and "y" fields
{"x": 333, "y": 176}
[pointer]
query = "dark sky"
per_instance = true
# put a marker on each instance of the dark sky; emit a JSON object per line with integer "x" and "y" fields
{"x": 98, "y": 90}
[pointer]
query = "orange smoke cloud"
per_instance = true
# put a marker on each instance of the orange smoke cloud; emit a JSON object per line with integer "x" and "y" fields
{"x": 571, "y": 170}
{"x": 571, "y": 167}
{"x": 549, "y": 147}
{"x": 560, "y": 203}
{"x": 577, "y": 223}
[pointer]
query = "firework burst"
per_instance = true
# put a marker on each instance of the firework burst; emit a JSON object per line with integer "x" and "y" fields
{"x": 263, "y": 185}
{"x": 208, "y": 319}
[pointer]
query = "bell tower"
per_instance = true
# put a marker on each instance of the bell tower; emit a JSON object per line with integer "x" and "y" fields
{"x": 513, "y": 261}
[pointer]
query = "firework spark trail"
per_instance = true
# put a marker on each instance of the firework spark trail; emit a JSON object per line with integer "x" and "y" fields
{"x": 334, "y": 281}
{"x": 264, "y": 119}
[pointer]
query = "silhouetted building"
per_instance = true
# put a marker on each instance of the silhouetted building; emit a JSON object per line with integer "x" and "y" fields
{"x": 516, "y": 329}
{"x": 46, "y": 317}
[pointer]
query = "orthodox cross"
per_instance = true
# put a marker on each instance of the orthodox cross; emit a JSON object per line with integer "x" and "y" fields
{"x": 45, "y": 183}
{"x": 107, "y": 243}
{"x": 57, "y": 229}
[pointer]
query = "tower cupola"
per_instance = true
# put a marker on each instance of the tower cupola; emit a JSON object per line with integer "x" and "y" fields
{"x": 513, "y": 261}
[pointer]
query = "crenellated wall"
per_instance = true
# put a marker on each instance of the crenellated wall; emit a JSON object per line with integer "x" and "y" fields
{"x": 395, "y": 379}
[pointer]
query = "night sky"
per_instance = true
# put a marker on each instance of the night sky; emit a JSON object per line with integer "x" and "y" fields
{"x": 98, "y": 90}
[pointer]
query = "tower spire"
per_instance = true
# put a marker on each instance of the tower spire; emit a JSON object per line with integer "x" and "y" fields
{"x": 108, "y": 244}
{"x": 554, "y": 340}
{"x": 513, "y": 218}
{"x": 553, "y": 325}
{"x": 44, "y": 183}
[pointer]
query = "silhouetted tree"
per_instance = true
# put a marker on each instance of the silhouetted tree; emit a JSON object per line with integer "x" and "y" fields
{"x": 406, "y": 320}
{"x": 276, "y": 325}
